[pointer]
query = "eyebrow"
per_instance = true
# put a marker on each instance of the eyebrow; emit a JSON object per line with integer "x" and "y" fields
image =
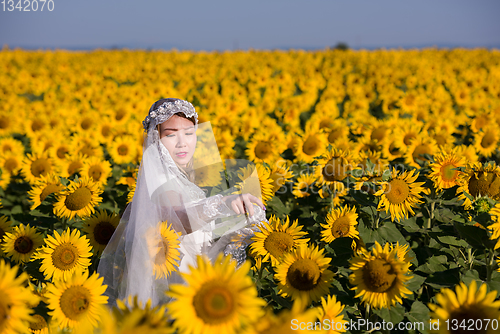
{"x": 190, "y": 127}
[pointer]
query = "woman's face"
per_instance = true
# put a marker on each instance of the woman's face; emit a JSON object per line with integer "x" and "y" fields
{"x": 178, "y": 135}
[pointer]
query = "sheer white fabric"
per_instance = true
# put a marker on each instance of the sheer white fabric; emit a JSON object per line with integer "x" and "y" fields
{"x": 163, "y": 193}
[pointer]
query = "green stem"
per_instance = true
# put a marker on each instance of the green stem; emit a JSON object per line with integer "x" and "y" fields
{"x": 431, "y": 216}
{"x": 489, "y": 267}
{"x": 367, "y": 311}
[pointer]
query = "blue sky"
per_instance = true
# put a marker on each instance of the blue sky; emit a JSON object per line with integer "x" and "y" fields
{"x": 228, "y": 25}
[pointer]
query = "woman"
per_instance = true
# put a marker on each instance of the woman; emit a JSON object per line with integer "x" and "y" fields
{"x": 170, "y": 219}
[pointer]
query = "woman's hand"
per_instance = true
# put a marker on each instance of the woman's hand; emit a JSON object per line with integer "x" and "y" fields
{"x": 242, "y": 203}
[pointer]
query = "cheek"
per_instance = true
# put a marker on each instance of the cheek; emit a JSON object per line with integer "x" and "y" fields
{"x": 169, "y": 144}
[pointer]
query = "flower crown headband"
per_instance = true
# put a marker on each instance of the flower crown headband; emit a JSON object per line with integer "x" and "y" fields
{"x": 167, "y": 110}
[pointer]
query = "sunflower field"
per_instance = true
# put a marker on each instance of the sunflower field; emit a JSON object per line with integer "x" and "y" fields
{"x": 379, "y": 170}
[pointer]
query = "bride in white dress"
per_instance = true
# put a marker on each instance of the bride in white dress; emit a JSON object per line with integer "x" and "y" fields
{"x": 178, "y": 152}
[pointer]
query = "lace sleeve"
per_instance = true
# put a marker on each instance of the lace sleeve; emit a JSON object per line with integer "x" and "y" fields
{"x": 214, "y": 207}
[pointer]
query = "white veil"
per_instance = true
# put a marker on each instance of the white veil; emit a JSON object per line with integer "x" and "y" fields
{"x": 165, "y": 193}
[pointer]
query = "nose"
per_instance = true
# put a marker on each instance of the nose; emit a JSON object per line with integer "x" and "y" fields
{"x": 181, "y": 140}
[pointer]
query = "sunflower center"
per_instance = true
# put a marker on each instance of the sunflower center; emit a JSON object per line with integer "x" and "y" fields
{"x": 4, "y": 313}
{"x": 39, "y": 323}
{"x": 379, "y": 133}
{"x": 4, "y": 122}
{"x": 334, "y": 135}
{"x": 448, "y": 173}
{"x": 278, "y": 243}
{"x": 420, "y": 150}
{"x": 49, "y": 189}
{"x": 123, "y": 150}
{"x": 311, "y": 146}
{"x": 78, "y": 199}
{"x": 398, "y": 191}
{"x": 74, "y": 167}
{"x": 262, "y": 150}
{"x": 64, "y": 256}
{"x": 341, "y": 227}
{"x": 74, "y": 301}
{"x": 86, "y": 123}
{"x": 466, "y": 315}
{"x": 334, "y": 170}
{"x": 408, "y": 138}
{"x": 378, "y": 275}
{"x": 40, "y": 167}
{"x": 214, "y": 303}
{"x": 488, "y": 139}
{"x": 95, "y": 172}
{"x": 486, "y": 184}
{"x": 37, "y": 125}
{"x": 11, "y": 164}
{"x": 61, "y": 152}
{"x": 23, "y": 245}
{"x": 103, "y": 232}
{"x": 303, "y": 274}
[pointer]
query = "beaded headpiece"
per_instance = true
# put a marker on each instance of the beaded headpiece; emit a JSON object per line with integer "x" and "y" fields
{"x": 166, "y": 110}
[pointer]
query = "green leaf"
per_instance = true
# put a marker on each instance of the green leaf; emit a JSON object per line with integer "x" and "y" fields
{"x": 395, "y": 314}
{"x": 447, "y": 278}
{"x": 474, "y": 235}
{"x": 450, "y": 240}
{"x": 418, "y": 313}
{"x": 415, "y": 282}
{"x": 389, "y": 232}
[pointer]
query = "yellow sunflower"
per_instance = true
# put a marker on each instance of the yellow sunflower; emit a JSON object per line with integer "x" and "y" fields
{"x": 217, "y": 298}
{"x": 97, "y": 169}
{"x": 419, "y": 146}
{"x": 303, "y": 274}
{"x": 14, "y": 300}
{"x": 495, "y": 226}
{"x": 479, "y": 180}
{"x": 209, "y": 175}
{"x": 486, "y": 141}
{"x": 163, "y": 248}
{"x": 134, "y": 317}
{"x": 340, "y": 222}
{"x": 100, "y": 228}
{"x": 330, "y": 315}
{"x": 79, "y": 198}
{"x": 280, "y": 174}
{"x": 43, "y": 187}
{"x": 400, "y": 194}
{"x": 453, "y": 308}
{"x": 256, "y": 181}
{"x": 64, "y": 254}
{"x": 277, "y": 238}
{"x": 11, "y": 163}
{"x": 39, "y": 325}
{"x": 444, "y": 172}
{"x": 379, "y": 276}
{"x": 262, "y": 149}
{"x": 333, "y": 167}
{"x": 313, "y": 145}
{"x": 304, "y": 183}
{"x": 71, "y": 165}
{"x": 77, "y": 300}
{"x": 123, "y": 150}
{"x": 297, "y": 320}
{"x": 21, "y": 243}
{"x": 5, "y": 227}
{"x": 36, "y": 165}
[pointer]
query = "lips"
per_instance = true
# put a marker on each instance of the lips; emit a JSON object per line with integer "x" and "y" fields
{"x": 181, "y": 154}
